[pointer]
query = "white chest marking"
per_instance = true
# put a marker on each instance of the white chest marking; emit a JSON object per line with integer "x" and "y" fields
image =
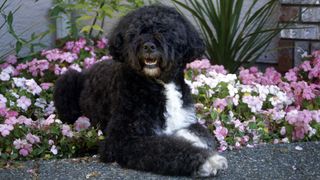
{"x": 191, "y": 137}
{"x": 177, "y": 116}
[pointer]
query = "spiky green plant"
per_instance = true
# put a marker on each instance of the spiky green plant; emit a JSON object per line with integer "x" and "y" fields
{"x": 233, "y": 35}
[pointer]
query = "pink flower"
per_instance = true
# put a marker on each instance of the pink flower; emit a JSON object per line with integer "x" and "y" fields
{"x": 11, "y": 121}
{"x": 69, "y": 45}
{"x": 23, "y": 146}
{"x": 11, "y": 113}
{"x": 89, "y": 61}
{"x": 5, "y": 129}
{"x": 101, "y": 44}
{"x": 220, "y": 104}
{"x": 23, "y": 152}
{"x": 24, "y": 120}
{"x": 32, "y": 138}
{"x": 221, "y": 133}
{"x": 308, "y": 93}
{"x": 271, "y": 77}
{"x": 246, "y": 77}
{"x": 253, "y": 69}
{"x": 218, "y": 69}
{"x": 237, "y": 123}
{"x": 291, "y": 75}
{"x": 23, "y": 102}
{"x": 305, "y": 66}
{"x": 46, "y": 86}
{"x": 11, "y": 59}
{"x": 49, "y": 120}
{"x": 68, "y": 57}
{"x": 82, "y": 123}
{"x": 199, "y": 64}
{"x": 66, "y": 131}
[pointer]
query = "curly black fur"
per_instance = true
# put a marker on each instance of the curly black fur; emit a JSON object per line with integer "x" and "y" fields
{"x": 127, "y": 97}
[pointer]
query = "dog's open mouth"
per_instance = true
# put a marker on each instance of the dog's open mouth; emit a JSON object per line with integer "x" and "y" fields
{"x": 151, "y": 67}
{"x": 150, "y": 63}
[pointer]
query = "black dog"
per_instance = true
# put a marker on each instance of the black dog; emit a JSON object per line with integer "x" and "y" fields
{"x": 140, "y": 99}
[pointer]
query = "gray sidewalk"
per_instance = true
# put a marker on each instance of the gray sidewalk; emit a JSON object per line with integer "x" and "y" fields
{"x": 270, "y": 162}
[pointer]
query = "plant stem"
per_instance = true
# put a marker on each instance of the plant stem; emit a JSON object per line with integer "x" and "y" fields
{"x": 95, "y": 18}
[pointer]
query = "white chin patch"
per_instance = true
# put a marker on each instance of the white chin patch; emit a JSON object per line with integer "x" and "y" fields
{"x": 153, "y": 72}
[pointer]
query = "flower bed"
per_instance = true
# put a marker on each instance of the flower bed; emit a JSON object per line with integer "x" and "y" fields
{"x": 29, "y": 127}
{"x": 255, "y": 107}
{"x": 250, "y": 109}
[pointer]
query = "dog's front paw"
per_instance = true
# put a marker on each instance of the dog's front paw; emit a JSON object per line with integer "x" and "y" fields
{"x": 211, "y": 166}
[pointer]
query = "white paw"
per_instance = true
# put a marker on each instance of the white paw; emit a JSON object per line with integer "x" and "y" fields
{"x": 211, "y": 166}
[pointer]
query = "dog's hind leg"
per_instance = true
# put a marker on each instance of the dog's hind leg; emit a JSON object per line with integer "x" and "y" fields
{"x": 168, "y": 155}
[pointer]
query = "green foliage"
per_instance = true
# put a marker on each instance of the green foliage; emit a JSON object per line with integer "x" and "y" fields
{"x": 8, "y": 24}
{"x": 80, "y": 12}
{"x": 233, "y": 35}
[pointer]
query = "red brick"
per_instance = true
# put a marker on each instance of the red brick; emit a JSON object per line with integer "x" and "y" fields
{"x": 285, "y": 55}
{"x": 289, "y": 13}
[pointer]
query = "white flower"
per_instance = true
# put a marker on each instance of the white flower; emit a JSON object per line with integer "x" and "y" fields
{"x": 54, "y": 150}
{"x": 3, "y": 101}
{"x": 235, "y": 100}
{"x": 263, "y": 91}
{"x": 232, "y": 90}
{"x": 41, "y": 103}
{"x": 20, "y": 82}
{"x": 50, "y": 109}
{"x": 8, "y": 70}
{"x": 75, "y": 67}
{"x": 14, "y": 94}
{"x": 23, "y": 102}
{"x": 274, "y": 89}
{"x": 277, "y": 115}
{"x": 4, "y": 76}
{"x": 246, "y": 89}
{"x": 100, "y": 133}
{"x": 253, "y": 102}
{"x": 33, "y": 87}
{"x": 312, "y": 131}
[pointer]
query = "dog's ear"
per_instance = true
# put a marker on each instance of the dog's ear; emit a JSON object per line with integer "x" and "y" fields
{"x": 116, "y": 43}
{"x": 195, "y": 46}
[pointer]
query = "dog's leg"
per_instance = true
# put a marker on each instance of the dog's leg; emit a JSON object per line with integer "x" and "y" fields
{"x": 168, "y": 155}
{"x": 198, "y": 135}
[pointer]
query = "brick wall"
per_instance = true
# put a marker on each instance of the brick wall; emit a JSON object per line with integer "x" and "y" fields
{"x": 303, "y": 33}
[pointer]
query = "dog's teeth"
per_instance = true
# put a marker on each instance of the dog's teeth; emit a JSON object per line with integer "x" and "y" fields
{"x": 150, "y": 63}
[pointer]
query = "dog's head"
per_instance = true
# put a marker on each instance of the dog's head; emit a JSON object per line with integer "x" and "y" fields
{"x": 156, "y": 41}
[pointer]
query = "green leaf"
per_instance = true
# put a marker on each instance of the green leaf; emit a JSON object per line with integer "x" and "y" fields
{"x": 84, "y": 17}
{"x": 10, "y": 18}
{"x": 252, "y": 125}
{"x": 97, "y": 27}
{"x": 214, "y": 115}
{"x": 85, "y": 29}
{"x": 18, "y": 47}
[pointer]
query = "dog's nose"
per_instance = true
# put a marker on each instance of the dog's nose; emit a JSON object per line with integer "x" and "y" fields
{"x": 149, "y": 47}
